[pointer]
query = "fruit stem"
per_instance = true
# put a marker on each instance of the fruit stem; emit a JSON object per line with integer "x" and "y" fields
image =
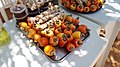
{"x": 88, "y": 29}
{"x": 55, "y": 39}
{"x": 80, "y": 43}
{"x": 68, "y": 28}
{"x": 57, "y": 22}
{"x": 71, "y": 48}
{"x": 59, "y": 28}
{"x": 77, "y": 17}
{"x": 67, "y": 22}
{"x": 80, "y": 6}
{"x": 53, "y": 52}
{"x": 47, "y": 32}
{"x": 68, "y": 35}
{"x": 64, "y": 37}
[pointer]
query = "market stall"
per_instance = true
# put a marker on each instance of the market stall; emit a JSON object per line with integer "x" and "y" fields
{"x": 28, "y": 29}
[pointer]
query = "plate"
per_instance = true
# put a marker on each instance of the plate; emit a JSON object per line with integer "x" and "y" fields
{"x": 61, "y": 53}
{"x": 83, "y": 11}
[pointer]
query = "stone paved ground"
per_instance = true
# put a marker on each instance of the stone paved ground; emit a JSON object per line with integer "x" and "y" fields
{"x": 113, "y": 59}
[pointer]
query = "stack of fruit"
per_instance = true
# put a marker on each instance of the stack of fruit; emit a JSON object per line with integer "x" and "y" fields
{"x": 83, "y": 6}
{"x": 54, "y": 28}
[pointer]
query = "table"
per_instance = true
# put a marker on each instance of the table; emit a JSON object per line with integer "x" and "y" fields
{"x": 109, "y": 19}
{"x": 20, "y": 53}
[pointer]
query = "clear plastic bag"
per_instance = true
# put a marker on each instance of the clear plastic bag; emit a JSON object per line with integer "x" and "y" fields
{"x": 4, "y": 36}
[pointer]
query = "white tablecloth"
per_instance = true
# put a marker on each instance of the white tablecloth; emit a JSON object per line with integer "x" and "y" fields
{"x": 20, "y": 53}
